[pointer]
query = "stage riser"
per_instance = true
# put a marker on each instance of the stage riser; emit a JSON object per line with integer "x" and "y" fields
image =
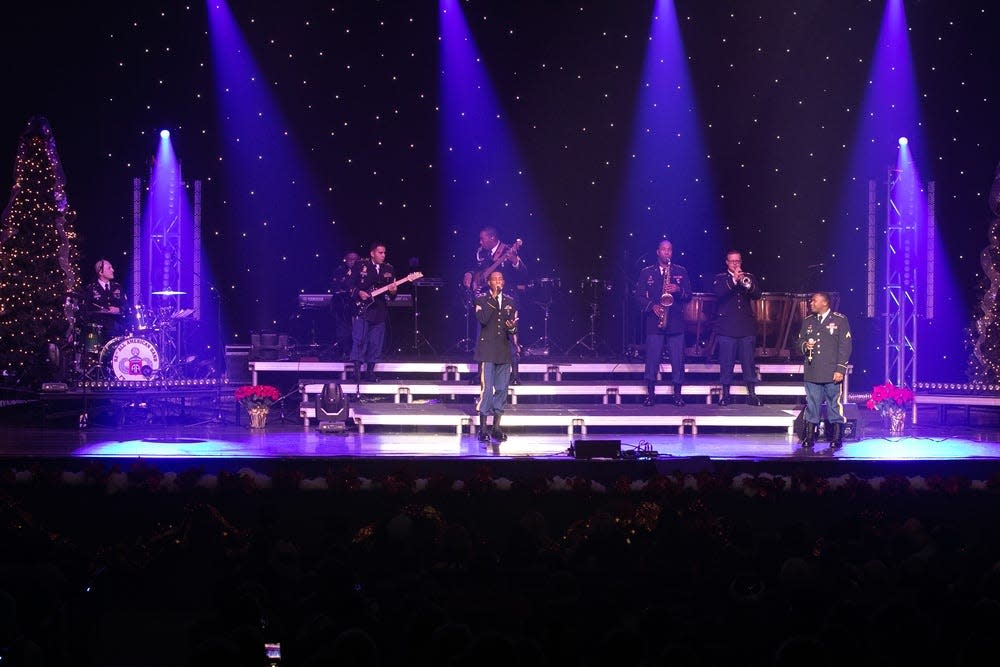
{"x": 578, "y": 419}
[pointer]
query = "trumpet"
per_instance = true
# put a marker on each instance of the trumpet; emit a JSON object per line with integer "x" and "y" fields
{"x": 746, "y": 280}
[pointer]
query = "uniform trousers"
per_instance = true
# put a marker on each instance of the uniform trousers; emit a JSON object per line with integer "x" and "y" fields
{"x": 654, "y": 351}
{"x": 367, "y": 339}
{"x": 816, "y": 393}
{"x": 728, "y": 348}
{"x": 493, "y": 382}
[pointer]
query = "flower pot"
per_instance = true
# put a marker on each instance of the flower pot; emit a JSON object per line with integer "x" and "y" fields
{"x": 897, "y": 420}
{"x": 258, "y": 416}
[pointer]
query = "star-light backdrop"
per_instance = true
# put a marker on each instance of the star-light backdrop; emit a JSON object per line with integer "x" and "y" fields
{"x": 317, "y": 128}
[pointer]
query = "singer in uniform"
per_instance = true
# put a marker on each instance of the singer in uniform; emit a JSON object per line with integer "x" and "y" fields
{"x": 825, "y": 342}
{"x": 654, "y": 283}
{"x": 496, "y": 312}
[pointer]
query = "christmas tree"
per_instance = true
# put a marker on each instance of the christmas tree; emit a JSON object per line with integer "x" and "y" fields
{"x": 984, "y": 364}
{"x": 38, "y": 258}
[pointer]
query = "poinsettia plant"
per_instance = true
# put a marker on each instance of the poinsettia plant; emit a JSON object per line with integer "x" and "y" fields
{"x": 887, "y": 398}
{"x": 257, "y": 395}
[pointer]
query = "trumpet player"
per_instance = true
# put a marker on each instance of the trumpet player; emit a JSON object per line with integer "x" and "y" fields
{"x": 825, "y": 342}
{"x": 661, "y": 292}
{"x": 736, "y": 326}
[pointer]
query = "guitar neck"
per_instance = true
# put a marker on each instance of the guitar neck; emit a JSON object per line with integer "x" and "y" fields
{"x": 395, "y": 283}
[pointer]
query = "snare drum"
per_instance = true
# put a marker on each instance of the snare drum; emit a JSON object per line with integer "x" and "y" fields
{"x": 143, "y": 317}
{"x": 595, "y": 288}
{"x": 131, "y": 358}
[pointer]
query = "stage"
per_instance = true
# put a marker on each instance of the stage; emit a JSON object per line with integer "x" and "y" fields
{"x": 176, "y": 444}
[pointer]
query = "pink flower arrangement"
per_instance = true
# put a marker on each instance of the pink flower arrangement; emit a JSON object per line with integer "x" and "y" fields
{"x": 888, "y": 398}
{"x": 257, "y": 395}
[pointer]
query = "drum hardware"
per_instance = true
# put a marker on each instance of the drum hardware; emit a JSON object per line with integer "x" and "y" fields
{"x": 93, "y": 338}
{"x": 590, "y": 341}
{"x": 467, "y": 299}
{"x": 143, "y": 318}
{"x": 543, "y": 346}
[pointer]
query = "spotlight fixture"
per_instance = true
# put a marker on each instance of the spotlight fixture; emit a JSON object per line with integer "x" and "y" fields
{"x": 903, "y": 141}
{"x": 165, "y": 134}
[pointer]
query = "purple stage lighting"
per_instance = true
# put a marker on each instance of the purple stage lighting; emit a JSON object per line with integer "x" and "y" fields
{"x": 903, "y": 141}
{"x": 164, "y": 134}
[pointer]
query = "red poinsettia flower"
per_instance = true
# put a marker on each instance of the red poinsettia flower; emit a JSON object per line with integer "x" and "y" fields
{"x": 257, "y": 395}
{"x": 888, "y": 398}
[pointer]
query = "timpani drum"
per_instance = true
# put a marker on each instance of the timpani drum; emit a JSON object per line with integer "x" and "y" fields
{"x": 772, "y": 311}
{"x": 699, "y": 318}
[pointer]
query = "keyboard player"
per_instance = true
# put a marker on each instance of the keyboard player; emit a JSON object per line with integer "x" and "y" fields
{"x": 342, "y": 305}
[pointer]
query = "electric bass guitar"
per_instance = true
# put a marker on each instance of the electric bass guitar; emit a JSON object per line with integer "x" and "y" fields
{"x": 364, "y": 304}
{"x": 480, "y": 277}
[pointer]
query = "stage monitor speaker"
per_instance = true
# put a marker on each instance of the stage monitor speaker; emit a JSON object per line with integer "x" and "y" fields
{"x": 597, "y": 449}
{"x": 238, "y": 364}
{"x": 852, "y": 429}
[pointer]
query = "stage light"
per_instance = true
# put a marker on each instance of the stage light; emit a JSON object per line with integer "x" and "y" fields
{"x": 164, "y": 134}
{"x": 903, "y": 141}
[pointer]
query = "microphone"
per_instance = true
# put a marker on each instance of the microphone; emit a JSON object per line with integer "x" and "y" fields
{"x": 809, "y": 357}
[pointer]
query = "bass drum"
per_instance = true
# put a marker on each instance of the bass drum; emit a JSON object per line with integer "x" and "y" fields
{"x": 131, "y": 358}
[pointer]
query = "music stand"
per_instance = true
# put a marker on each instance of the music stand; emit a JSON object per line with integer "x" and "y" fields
{"x": 590, "y": 341}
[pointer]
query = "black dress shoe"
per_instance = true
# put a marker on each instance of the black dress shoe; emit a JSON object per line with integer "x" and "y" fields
{"x": 678, "y": 401}
{"x": 483, "y": 436}
{"x": 649, "y": 401}
{"x": 499, "y": 435}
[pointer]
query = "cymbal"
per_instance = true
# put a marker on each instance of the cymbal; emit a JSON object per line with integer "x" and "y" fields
{"x": 168, "y": 292}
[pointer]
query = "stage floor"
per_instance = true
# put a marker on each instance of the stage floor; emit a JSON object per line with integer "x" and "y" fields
{"x": 290, "y": 441}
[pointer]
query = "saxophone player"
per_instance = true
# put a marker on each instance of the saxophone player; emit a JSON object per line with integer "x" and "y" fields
{"x": 735, "y": 325}
{"x": 661, "y": 292}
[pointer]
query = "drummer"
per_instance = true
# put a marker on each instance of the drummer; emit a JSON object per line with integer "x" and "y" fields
{"x": 104, "y": 301}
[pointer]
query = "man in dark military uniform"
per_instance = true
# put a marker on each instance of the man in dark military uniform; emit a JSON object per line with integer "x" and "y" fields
{"x": 104, "y": 303}
{"x": 825, "y": 340}
{"x": 735, "y": 325}
{"x": 497, "y": 316}
{"x": 654, "y": 282}
{"x": 368, "y": 326}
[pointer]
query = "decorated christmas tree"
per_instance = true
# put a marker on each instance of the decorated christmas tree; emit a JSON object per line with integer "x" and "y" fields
{"x": 984, "y": 363}
{"x": 38, "y": 258}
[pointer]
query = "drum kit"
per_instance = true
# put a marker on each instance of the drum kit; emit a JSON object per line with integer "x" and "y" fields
{"x": 148, "y": 350}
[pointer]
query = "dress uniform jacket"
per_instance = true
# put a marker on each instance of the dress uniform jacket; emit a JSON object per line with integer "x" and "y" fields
{"x": 648, "y": 289}
{"x": 734, "y": 315}
{"x": 494, "y": 337}
{"x": 832, "y": 351}
{"x": 365, "y": 277}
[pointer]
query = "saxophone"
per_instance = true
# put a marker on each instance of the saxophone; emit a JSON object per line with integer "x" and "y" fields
{"x": 666, "y": 300}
